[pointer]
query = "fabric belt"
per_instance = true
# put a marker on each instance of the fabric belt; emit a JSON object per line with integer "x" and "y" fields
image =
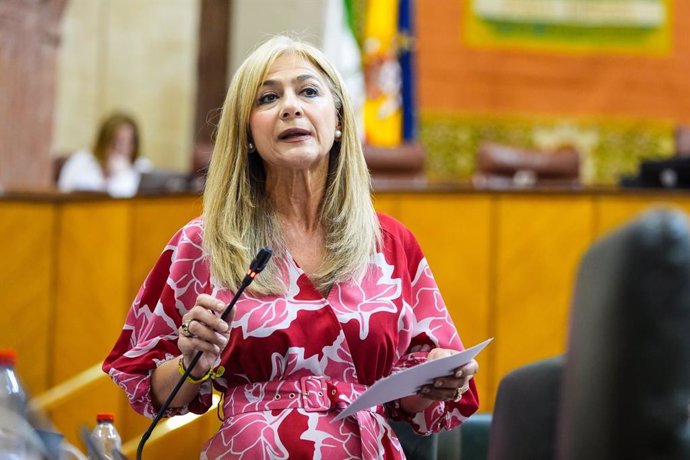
{"x": 310, "y": 393}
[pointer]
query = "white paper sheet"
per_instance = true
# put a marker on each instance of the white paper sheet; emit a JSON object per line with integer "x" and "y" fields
{"x": 407, "y": 382}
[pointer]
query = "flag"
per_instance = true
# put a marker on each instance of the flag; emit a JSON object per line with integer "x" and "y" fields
{"x": 341, "y": 48}
{"x": 382, "y": 74}
{"x": 390, "y": 115}
{"x": 408, "y": 91}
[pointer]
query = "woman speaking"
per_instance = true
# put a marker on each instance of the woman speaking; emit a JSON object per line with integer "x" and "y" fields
{"x": 347, "y": 299}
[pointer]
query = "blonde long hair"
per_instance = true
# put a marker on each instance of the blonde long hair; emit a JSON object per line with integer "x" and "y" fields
{"x": 238, "y": 215}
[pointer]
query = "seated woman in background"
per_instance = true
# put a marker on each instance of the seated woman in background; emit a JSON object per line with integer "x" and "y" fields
{"x": 347, "y": 299}
{"x": 114, "y": 165}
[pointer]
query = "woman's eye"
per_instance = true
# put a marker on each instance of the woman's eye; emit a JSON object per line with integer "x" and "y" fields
{"x": 310, "y": 91}
{"x": 267, "y": 98}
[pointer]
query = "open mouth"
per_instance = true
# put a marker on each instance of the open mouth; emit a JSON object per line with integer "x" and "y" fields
{"x": 293, "y": 133}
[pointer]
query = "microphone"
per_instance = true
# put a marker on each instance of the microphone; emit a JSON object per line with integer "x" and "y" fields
{"x": 257, "y": 265}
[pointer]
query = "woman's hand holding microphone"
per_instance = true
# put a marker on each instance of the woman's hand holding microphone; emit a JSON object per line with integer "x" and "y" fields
{"x": 203, "y": 330}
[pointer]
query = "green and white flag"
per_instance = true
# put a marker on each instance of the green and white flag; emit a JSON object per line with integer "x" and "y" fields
{"x": 341, "y": 48}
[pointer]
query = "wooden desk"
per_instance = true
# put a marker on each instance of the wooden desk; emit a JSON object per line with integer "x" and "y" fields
{"x": 506, "y": 261}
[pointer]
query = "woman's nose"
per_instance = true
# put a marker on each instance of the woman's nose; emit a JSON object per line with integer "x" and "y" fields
{"x": 291, "y": 106}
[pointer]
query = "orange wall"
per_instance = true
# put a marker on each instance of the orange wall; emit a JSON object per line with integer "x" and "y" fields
{"x": 455, "y": 77}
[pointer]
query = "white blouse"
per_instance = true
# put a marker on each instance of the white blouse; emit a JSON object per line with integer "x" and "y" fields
{"x": 82, "y": 172}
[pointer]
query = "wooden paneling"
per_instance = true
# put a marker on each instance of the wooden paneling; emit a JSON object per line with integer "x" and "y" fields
{"x": 539, "y": 245}
{"x": 92, "y": 283}
{"x": 26, "y": 287}
{"x": 454, "y": 234}
{"x": 613, "y": 211}
{"x": 154, "y": 222}
{"x": 133, "y": 424}
{"x": 388, "y": 204}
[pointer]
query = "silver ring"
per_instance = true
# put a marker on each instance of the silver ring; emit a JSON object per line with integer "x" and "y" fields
{"x": 184, "y": 329}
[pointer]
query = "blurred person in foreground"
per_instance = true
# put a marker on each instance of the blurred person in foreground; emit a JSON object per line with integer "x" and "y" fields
{"x": 347, "y": 299}
{"x": 113, "y": 165}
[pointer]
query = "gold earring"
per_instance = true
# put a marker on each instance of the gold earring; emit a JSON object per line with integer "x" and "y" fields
{"x": 338, "y": 134}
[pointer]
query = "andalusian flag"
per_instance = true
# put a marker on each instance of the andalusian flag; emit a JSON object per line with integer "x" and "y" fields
{"x": 389, "y": 111}
{"x": 342, "y": 49}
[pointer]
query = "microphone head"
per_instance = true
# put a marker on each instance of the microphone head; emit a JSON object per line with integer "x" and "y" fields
{"x": 261, "y": 260}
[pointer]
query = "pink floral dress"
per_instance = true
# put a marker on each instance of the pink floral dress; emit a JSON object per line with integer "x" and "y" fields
{"x": 294, "y": 360}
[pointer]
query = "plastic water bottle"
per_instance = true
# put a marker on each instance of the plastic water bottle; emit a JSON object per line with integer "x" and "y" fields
{"x": 106, "y": 438}
{"x": 13, "y": 400}
{"x": 12, "y": 394}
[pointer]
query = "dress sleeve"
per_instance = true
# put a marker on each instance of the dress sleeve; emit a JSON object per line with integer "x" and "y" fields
{"x": 149, "y": 336}
{"x": 427, "y": 325}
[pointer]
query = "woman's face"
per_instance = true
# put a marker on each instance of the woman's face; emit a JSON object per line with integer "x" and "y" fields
{"x": 293, "y": 120}
{"x": 123, "y": 142}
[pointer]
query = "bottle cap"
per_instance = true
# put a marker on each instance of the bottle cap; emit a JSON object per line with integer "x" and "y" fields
{"x": 8, "y": 357}
{"x": 105, "y": 417}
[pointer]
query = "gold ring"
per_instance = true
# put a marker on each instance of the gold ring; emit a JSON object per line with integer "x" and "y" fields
{"x": 458, "y": 395}
{"x": 184, "y": 329}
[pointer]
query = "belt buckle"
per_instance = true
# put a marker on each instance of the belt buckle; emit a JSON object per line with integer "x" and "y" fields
{"x": 314, "y": 395}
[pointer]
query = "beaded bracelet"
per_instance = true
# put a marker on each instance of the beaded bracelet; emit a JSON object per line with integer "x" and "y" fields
{"x": 211, "y": 374}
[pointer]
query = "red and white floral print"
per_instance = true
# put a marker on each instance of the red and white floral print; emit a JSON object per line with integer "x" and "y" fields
{"x": 294, "y": 360}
